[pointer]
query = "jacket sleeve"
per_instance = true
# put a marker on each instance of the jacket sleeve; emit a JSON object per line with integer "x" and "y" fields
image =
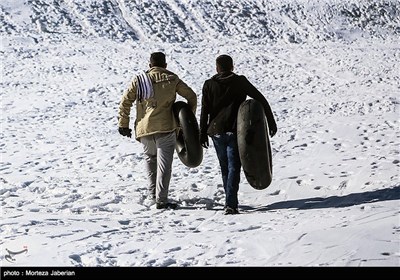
{"x": 185, "y": 91}
{"x": 253, "y": 92}
{"x": 125, "y": 105}
{"x": 204, "y": 114}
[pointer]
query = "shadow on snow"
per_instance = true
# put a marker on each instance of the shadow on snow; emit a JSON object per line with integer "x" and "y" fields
{"x": 392, "y": 193}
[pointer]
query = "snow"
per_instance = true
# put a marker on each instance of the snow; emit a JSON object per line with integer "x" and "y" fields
{"x": 73, "y": 189}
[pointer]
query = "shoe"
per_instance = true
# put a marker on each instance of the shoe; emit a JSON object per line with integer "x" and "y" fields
{"x": 149, "y": 201}
{"x": 168, "y": 205}
{"x": 230, "y": 211}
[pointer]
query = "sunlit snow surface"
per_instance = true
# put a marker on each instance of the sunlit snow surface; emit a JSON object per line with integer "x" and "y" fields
{"x": 73, "y": 189}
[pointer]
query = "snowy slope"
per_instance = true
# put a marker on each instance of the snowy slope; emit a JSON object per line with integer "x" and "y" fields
{"x": 187, "y": 21}
{"x": 72, "y": 188}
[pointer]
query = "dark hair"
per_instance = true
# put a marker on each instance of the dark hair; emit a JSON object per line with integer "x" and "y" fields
{"x": 157, "y": 59}
{"x": 224, "y": 62}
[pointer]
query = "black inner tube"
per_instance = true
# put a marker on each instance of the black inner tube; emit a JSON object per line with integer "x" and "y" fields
{"x": 188, "y": 146}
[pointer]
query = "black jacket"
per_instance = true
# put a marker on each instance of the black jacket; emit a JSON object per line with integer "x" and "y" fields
{"x": 222, "y": 96}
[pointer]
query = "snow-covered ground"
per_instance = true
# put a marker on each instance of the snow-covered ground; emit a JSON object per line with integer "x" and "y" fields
{"x": 72, "y": 188}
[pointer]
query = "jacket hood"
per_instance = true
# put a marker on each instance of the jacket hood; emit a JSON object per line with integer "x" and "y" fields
{"x": 225, "y": 77}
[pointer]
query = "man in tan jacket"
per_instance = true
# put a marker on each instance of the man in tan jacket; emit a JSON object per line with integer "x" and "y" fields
{"x": 154, "y": 92}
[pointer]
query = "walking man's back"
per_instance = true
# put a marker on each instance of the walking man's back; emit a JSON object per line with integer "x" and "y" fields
{"x": 154, "y": 92}
{"x": 221, "y": 98}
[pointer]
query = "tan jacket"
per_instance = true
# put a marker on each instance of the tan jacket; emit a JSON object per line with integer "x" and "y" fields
{"x": 154, "y": 115}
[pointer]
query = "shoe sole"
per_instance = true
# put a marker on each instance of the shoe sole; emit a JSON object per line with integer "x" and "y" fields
{"x": 168, "y": 206}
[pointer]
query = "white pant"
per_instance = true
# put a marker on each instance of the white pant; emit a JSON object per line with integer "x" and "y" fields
{"x": 159, "y": 153}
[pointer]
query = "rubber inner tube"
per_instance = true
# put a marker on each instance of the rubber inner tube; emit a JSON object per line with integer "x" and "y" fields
{"x": 254, "y": 144}
{"x": 188, "y": 146}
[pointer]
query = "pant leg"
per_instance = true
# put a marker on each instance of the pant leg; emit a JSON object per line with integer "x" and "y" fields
{"x": 165, "y": 143}
{"x": 221, "y": 150}
{"x": 150, "y": 152}
{"x": 234, "y": 166}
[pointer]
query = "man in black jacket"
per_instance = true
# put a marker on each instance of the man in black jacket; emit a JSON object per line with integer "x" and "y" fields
{"x": 222, "y": 96}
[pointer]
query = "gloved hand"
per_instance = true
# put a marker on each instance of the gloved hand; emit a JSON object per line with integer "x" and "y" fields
{"x": 204, "y": 140}
{"x": 272, "y": 130}
{"x": 125, "y": 131}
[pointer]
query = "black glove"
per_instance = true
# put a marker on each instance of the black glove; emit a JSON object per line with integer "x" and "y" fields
{"x": 273, "y": 130}
{"x": 204, "y": 140}
{"x": 125, "y": 131}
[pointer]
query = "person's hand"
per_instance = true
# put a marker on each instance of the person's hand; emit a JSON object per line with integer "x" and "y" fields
{"x": 125, "y": 131}
{"x": 273, "y": 130}
{"x": 204, "y": 140}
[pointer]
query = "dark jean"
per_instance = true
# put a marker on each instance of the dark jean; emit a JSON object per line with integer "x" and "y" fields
{"x": 228, "y": 155}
